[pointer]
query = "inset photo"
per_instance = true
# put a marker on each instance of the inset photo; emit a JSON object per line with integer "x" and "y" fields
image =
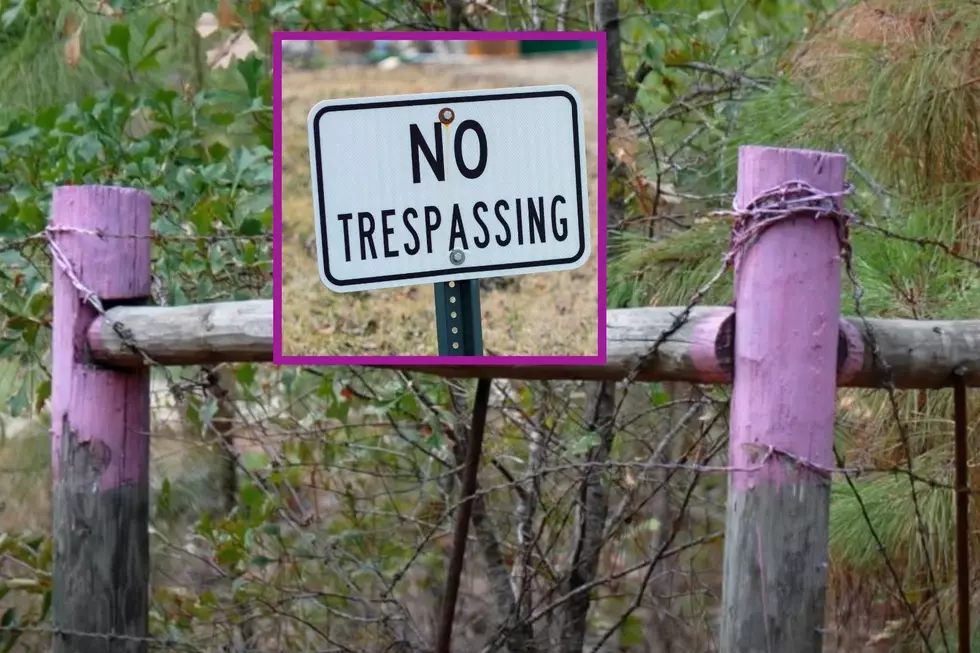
{"x": 439, "y": 198}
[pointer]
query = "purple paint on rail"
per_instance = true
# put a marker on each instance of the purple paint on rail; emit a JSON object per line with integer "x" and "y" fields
{"x": 704, "y": 347}
{"x": 854, "y": 360}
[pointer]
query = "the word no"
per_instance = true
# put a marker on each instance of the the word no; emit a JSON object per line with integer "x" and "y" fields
{"x": 437, "y": 162}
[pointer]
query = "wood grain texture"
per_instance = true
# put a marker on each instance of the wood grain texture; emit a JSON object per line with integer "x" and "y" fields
{"x": 921, "y": 353}
{"x": 787, "y": 292}
{"x": 100, "y": 429}
{"x": 187, "y": 335}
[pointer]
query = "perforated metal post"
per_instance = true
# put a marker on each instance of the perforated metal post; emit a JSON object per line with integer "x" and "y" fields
{"x": 458, "y": 320}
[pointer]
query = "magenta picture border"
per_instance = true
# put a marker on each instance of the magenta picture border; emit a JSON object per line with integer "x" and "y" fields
{"x": 434, "y": 360}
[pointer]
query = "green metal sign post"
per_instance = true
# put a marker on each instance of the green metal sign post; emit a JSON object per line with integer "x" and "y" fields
{"x": 458, "y": 319}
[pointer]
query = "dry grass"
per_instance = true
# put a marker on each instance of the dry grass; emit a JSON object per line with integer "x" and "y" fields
{"x": 542, "y": 314}
{"x": 25, "y": 483}
{"x": 25, "y": 474}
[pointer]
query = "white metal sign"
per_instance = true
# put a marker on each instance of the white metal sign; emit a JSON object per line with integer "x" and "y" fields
{"x": 415, "y": 189}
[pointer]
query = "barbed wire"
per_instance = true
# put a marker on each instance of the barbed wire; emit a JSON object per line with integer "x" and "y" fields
{"x": 762, "y": 212}
{"x": 152, "y": 642}
{"x": 767, "y": 209}
{"x": 90, "y": 297}
{"x": 889, "y": 386}
{"x": 157, "y": 237}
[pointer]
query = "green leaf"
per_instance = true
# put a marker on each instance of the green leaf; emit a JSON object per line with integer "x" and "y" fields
{"x": 653, "y": 51}
{"x": 42, "y": 394}
{"x": 249, "y": 70}
{"x": 202, "y": 218}
{"x": 229, "y": 554}
{"x": 19, "y": 403}
{"x": 675, "y": 57}
{"x": 193, "y": 413}
{"x": 339, "y": 410}
{"x": 41, "y": 304}
{"x": 32, "y": 217}
{"x": 222, "y": 118}
{"x": 261, "y": 561}
{"x": 18, "y": 322}
{"x": 582, "y": 444}
{"x": 246, "y": 374}
{"x": 151, "y": 31}
{"x": 149, "y": 60}
{"x": 218, "y": 150}
{"x": 251, "y": 497}
{"x": 10, "y": 619}
{"x": 272, "y": 529}
{"x": 250, "y": 227}
{"x": 48, "y": 118}
{"x": 164, "y": 497}
{"x": 217, "y": 260}
{"x": 46, "y": 604}
{"x": 658, "y": 397}
{"x": 204, "y": 527}
{"x": 118, "y": 39}
{"x": 631, "y": 632}
{"x": 7, "y": 346}
{"x": 165, "y": 96}
{"x": 8, "y": 17}
{"x": 112, "y": 54}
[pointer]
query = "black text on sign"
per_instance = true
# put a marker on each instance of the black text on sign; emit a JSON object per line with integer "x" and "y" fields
{"x": 449, "y": 186}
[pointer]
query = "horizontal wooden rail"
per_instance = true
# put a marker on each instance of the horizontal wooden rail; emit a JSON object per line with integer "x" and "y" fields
{"x": 222, "y": 332}
{"x": 921, "y": 354}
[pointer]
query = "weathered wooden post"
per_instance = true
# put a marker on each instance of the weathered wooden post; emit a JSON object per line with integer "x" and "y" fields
{"x": 100, "y": 426}
{"x": 783, "y": 410}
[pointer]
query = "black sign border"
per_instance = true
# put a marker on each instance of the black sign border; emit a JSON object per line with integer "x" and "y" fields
{"x": 384, "y": 104}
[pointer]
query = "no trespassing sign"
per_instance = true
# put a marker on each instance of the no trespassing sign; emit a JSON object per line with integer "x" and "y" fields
{"x": 417, "y": 189}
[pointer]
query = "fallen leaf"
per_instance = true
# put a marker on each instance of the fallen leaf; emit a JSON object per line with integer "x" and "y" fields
{"x": 238, "y": 46}
{"x": 206, "y": 25}
{"x": 645, "y": 191}
{"x": 481, "y": 8}
{"x": 623, "y": 143}
{"x": 227, "y": 17}
{"x": 106, "y": 9}
{"x": 668, "y": 194}
{"x": 73, "y": 48}
{"x": 70, "y": 25}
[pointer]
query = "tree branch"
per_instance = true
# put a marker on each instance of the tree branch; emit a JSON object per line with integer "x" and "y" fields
{"x": 520, "y": 636}
{"x": 593, "y": 506}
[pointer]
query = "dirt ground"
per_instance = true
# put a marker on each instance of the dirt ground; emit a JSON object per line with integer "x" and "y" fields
{"x": 540, "y": 314}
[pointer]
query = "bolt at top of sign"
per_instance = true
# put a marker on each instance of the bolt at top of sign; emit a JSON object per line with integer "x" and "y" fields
{"x": 402, "y": 183}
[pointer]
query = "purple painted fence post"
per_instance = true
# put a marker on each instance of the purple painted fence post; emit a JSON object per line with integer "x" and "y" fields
{"x": 100, "y": 428}
{"x": 787, "y": 287}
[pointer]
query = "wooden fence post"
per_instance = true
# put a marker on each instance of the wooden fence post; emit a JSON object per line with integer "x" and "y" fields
{"x": 100, "y": 427}
{"x": 787, "y": 289}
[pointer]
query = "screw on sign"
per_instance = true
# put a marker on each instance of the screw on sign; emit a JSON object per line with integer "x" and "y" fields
{"x": 449, "y": 188}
